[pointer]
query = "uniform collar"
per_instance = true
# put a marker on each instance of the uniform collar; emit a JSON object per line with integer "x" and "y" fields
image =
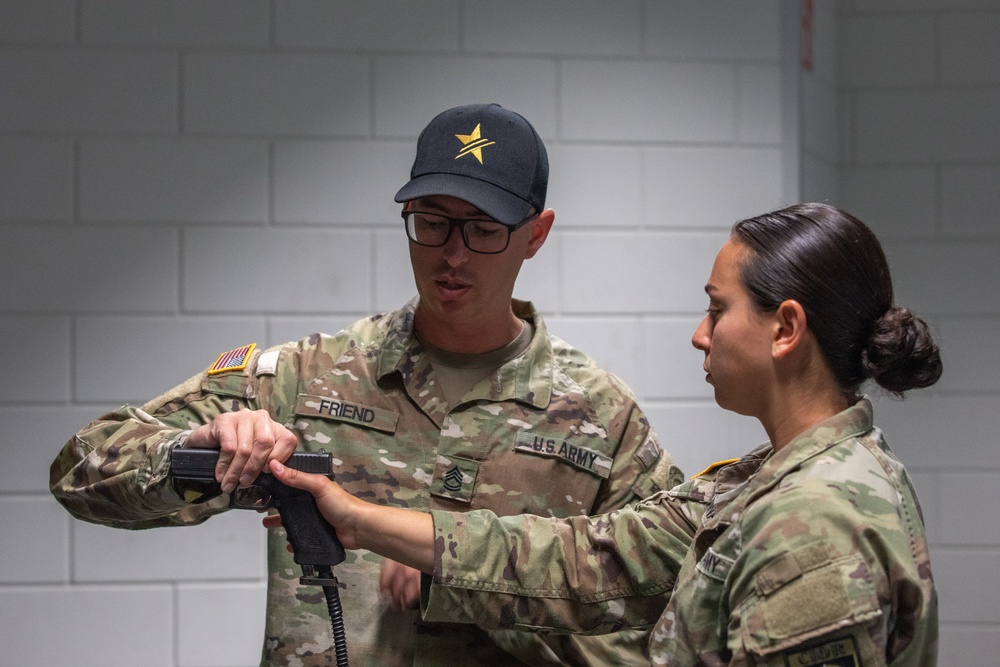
{"x": 850, "y": 423}
{"x": 738, "y": 484}
{"x": 527, "y": 378}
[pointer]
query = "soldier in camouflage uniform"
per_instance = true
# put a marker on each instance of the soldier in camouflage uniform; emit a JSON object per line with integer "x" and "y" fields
{"x": 518, "y": 422}
{"x": 808, "y": 555}
{"x": 808, "y": 551}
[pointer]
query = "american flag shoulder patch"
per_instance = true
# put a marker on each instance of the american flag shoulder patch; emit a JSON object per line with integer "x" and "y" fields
{"x": 233, "y": 360}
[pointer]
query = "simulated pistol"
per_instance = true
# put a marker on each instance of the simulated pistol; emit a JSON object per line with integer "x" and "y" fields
{"x": 315, "y": 546}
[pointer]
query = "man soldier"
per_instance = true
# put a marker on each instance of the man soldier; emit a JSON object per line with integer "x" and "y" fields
{"x": 461, "y": 399}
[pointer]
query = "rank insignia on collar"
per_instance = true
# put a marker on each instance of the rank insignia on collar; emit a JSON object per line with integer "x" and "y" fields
{"x": 233, "y": 360}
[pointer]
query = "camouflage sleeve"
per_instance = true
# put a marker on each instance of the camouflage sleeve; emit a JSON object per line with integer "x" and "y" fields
{"x": 641, "y": 467}
{"x": 592, "y": 575}
{"x": 114, "y": 471}
{"x": 815, "y": 581}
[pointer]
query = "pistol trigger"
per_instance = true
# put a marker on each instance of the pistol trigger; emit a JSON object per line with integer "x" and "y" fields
{"x": 250, "y": 498}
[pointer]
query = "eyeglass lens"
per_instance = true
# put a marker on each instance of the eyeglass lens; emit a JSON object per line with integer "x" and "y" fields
{"x": 486, "y": 236}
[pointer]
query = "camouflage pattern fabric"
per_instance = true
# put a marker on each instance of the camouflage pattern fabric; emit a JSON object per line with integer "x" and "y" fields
{"x": 814, "y": 555}
{"x": 548, "y": 433}
{"x": 581, "y": 575}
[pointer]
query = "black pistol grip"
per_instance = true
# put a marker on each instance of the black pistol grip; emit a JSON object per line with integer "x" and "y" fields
{"x": 314, "y": 541}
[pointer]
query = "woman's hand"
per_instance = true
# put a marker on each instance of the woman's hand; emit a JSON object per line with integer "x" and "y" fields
{"x": 402, "y": 535}
{"x": 337, "y": 506}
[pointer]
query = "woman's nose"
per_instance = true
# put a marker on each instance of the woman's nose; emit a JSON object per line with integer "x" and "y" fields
{"x": 700, "y": 338}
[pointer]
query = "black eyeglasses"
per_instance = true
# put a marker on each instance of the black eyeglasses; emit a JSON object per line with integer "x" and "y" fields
{"x": 481, "y": 235}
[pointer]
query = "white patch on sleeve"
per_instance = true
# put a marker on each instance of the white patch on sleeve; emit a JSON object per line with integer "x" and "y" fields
{"x": 267, "y": 363}
{"x": 146, "y": 417}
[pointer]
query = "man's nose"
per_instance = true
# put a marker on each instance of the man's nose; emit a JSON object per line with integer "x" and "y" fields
{"x": 455, "y": 251}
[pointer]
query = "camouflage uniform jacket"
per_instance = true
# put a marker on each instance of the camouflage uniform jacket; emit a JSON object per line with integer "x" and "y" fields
{"x": 814, "y": 555}
{"x": 547, "y": 433}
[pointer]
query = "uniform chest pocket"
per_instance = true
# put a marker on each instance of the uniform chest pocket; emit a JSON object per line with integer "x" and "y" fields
{"x": 526, "y": 473}
{"x": 380, "y": 454}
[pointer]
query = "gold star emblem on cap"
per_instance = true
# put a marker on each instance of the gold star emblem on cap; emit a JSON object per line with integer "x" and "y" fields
{"x": 474, "y": 144}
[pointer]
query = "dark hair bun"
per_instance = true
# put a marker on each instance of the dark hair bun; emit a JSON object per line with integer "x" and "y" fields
{"x": 901, "y": 354}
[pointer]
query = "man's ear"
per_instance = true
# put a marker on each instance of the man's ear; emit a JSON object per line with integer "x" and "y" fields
{"x": 539, "y": 227}
{"x": 789, "y": 328}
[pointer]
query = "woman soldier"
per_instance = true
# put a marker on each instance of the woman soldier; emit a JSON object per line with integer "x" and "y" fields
{"x": 809, "y": 550}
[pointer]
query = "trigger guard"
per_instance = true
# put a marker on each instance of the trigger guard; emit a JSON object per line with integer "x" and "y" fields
{"x": 250, "y": 498}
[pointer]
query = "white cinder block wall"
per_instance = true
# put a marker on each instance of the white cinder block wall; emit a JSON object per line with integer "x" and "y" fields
{"x": 919, "y": 84}
{"x": 180, "y": 178}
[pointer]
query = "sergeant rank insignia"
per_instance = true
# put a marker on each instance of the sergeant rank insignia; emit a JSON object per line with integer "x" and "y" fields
{"x": 234, "y": 360}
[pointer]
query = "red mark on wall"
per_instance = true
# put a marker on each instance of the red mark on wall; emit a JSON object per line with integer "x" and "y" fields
{"x": 806, "y": 36}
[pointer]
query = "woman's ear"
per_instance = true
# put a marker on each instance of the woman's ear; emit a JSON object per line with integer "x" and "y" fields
{"x": 789, "y": 330}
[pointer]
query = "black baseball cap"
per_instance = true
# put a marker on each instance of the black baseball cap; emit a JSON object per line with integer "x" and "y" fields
{"x": 486, "y": 155}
